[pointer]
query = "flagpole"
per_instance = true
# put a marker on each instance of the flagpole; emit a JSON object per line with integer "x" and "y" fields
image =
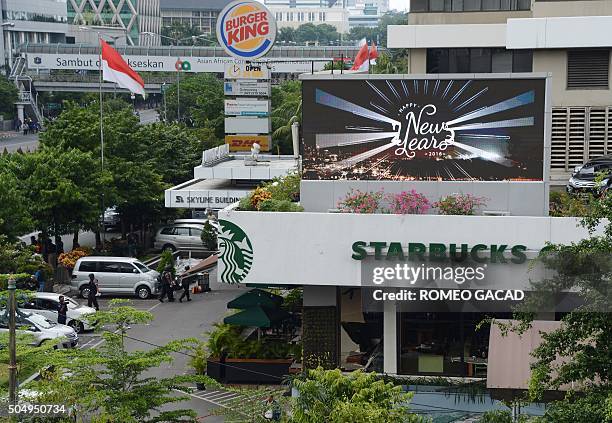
{"x": 101, "y": 132}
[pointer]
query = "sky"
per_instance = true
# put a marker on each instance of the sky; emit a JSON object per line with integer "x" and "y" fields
{"x": 398, "y": 4}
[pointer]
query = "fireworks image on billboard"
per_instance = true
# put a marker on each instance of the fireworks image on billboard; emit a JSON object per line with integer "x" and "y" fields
{"x": 398, "y": 129}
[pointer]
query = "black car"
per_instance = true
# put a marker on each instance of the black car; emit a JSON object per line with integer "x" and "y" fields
{"x": 584, "y": 177}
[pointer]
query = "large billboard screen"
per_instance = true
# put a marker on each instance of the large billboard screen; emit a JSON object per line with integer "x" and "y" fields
{"x": 424, "y": 129}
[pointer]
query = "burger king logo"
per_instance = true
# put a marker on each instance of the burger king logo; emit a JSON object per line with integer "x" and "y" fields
{"x": 246, "y": 29}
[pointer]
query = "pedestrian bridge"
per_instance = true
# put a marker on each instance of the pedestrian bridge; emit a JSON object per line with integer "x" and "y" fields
{"x": 74, "y": 67}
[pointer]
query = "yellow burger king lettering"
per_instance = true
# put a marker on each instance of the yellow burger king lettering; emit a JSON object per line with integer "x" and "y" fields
{"x": 246, "y": 29}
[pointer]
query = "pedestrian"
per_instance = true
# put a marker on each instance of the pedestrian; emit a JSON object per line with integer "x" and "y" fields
{"x": 185, "y": 285}
{"x": 18, "y": 124}
{"x": 166, "y": 286}
{"x": 33, "y": 241}
{"x": 62, "y": 310}
{"x": 39, "y": 277}
{"x": 94, "y": 292}
{"x": 51, "y": 253}
{"x": 25, "y": 128}
{"x": 59, "y": 245}
{"x": 132, "y": 242}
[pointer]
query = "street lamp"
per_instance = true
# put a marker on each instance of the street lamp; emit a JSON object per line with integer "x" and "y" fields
{"x": 12, "y": 367}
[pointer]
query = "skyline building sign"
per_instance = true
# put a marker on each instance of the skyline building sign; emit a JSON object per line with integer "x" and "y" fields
{"x": 424, "y": 129}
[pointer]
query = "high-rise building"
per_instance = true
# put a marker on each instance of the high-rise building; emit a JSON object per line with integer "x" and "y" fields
{"x": 33, "y": 21}
{"x": 568, "y": 39}
{"x": 192, "y": 13}
{"x": 133, "y": 17}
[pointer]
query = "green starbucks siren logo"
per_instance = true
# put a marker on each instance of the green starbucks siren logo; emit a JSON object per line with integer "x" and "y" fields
{"x": 236, "y": 252}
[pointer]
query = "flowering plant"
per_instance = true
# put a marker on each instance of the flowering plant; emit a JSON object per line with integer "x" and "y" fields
{"x": 357, "y": 201}
{"x": 408, "y": 202}
{"x": 462, "y": 204}
{"x": 259, "y": 195}
{"x": 70, "y": 258}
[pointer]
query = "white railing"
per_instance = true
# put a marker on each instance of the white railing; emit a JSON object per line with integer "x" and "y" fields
{"x": 215, "y": 154}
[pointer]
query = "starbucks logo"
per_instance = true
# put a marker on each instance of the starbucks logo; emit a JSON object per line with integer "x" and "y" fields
{"x": 236, "y": 252}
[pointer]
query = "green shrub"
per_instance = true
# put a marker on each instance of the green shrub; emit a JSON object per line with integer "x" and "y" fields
{"x": 209, "y": 237}
{"x": 279, "y": 206}
{"x": 166, "y": 260}
{"x": 563, "y": 204}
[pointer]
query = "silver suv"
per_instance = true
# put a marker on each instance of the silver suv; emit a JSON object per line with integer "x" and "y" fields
{"x": 183, "y": 234}
{"x": 115, "y": 275}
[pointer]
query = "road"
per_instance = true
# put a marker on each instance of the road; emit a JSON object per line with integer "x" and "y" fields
{"x": 178, "y": 321}
{"x": 12, "y": 141}
{"x": 148, "y": 116}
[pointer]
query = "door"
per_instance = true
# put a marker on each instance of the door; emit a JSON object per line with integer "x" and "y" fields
{"x": 47, "y": 308}
{"x": 182, "y": 237}
{"x": 130, "y": 275}
{"x": 195, "y": 238}
{"x": 109, "y": 277}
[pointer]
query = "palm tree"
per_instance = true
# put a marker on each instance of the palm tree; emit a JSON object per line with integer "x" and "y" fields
{"x": 288, "y": 111}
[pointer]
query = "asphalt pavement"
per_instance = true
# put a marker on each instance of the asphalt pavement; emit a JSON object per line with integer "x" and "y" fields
{"x": 178, "y": 321}
{"x": 13, "y": 141}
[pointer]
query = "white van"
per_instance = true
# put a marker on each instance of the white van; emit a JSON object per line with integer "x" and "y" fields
{"x": 115, "y": 275}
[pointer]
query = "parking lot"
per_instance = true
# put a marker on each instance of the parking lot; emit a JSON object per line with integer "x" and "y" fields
{"x": 174, "y": 321}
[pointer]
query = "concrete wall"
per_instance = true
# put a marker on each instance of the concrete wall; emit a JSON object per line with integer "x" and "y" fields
{"x": 572, "y": 8}
{"x": 464, "y": 17}
{"x": 519, "y": 199}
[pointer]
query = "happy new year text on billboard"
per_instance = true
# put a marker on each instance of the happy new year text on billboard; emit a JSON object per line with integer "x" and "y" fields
{"x": 424, "y": 129}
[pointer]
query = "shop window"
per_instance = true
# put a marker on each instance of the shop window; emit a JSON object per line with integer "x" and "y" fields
{"x": 480, "y": 60}
{"x": 437, "y": 60}
{"x": 588, "y": 69}
{"x": 501, "y": 60}
{"x": 522, "y": 61}
{"x": 459, "y": 60}
{"x": 472, "y": 5}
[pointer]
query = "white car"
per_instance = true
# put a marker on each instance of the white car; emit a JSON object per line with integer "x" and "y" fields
{"x": 47, "y": 303}
{"x": 42, "y": 329}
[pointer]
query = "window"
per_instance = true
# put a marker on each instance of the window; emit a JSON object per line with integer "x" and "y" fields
{"x": 110, "y": 267}
{"x": 127, "y": 268}
{"x": 196, "y": 232}
{"x": 181, "y": 231}
{"x": 468, "y": 5}
{"x": 588, "y": 69}
{"x": 44, "y": 304}
{"x": 87, "y": 266}
{"x": 167, "y": 231}
{"x": 290, "y": 16}
{"x": 322, "y": 16}
{"x": 478, "y": 60}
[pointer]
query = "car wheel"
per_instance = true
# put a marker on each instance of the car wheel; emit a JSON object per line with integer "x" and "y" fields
{"x": 84, "y": 292}
{"x": 76, "y": 325}
{"x": 143, "y": 292}
{"x": 170, "y": 247}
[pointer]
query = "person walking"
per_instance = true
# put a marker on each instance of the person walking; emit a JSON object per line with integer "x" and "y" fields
{"x": 185, "y": 285}
{"x": 94, "y": 291}
{"x": 166, "y": 286}
{"x": 62, "y": 310}
{"x": 39, "y": 277}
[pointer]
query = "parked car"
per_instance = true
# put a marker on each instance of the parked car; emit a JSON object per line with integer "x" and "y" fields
{"x": 41, "y": 329}
{"x": 47, "y": 303}
{"x": 583, "y": 177}
{"x": 115, "y": 275}
{"x": 183, "y": 234}
{"x": 111, "y": 218}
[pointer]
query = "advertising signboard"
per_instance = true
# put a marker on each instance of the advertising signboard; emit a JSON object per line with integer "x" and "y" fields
{"x": 162, "y": 63}
{"x": 245, "y": 142}
{"x": 246, "y": 71}
{"x": 247, "y": 125}
{"x": 424, "y": 129}
{"x": 246, "y": 29}
{"x": 246, "y": 87}
{"x": 247, "y": 107}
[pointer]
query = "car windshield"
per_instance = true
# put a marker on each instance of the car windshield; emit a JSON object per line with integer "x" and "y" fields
{"x": 142, "y": 267}
{"x": 71, "y": 303}
{"x": 40, "y": 321}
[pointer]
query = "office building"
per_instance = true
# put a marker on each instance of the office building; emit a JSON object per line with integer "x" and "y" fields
{"x": 568, "y": 39}
{"x": 192, "y": 13}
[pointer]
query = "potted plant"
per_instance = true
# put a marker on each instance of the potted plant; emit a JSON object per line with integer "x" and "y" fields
{"x": 459, "y": 204}
{"x": 199, "y": 362}
{"x": 357, "y": 201}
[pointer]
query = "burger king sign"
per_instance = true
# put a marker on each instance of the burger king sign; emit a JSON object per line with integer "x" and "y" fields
{"x": 246, "y": 29}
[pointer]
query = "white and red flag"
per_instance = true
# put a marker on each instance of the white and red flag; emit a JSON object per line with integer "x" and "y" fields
{"x": 116, "y": 70}
{"x": 364, "y": 56}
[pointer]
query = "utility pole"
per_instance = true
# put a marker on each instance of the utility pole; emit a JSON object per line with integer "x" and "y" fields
{"x": 12, "y": 367}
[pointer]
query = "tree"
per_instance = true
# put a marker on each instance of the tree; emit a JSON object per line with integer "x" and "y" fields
{"x": 286, "y": 35}
{"x": 584, "y": 340}
{"x": 209, "y": 237}
{"x": 330, "y": 396}
{"x": 8, "y": 97}
{"x": 201, "y": 102}
{"x": 61, "y": 188}
{"x": 286, "y": 109}
{"x": 110, "y": 383}
{"x": 310, "y": 33}
{"x": 15, "y": 218}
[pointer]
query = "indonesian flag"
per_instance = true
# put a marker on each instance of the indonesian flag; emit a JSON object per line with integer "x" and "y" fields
{"x": 361, "y": 62}
{"x": 116, "y": 70}
{"x": 373, "y": 53}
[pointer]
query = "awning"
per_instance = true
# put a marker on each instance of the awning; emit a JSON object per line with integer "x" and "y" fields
{"x": 256, "y": 298}
{"x": 259, "y": 317}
